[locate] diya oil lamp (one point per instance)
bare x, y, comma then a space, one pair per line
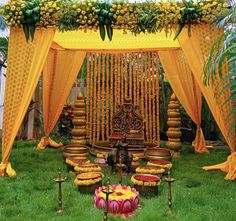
107, 190
59, 180
169, 180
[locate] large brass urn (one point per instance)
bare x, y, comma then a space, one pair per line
174, 122
79, 121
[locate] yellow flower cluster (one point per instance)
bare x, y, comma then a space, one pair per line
164, 166
142, 183
141, 169
125, 15
85, 15
49, 12
87, 182
212, 9
168, 15
83, 169
13, 12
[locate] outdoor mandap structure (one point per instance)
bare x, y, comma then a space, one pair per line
59, 55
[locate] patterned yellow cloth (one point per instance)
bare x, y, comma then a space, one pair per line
47, 141
25, 64
5, 168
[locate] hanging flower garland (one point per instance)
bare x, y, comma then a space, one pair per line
85, 15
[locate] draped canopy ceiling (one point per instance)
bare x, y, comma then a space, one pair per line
60, 56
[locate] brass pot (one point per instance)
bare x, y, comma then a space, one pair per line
173, 114
174, 145
158, 154
79, 104
173, 123
75, 150
173, 106
147, 190
173, 134
79, 132
78, 112
91, 188
81, 141
79, 122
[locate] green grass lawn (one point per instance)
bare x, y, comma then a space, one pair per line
32, 195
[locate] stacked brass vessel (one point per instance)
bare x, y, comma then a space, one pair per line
79, 121
174, 122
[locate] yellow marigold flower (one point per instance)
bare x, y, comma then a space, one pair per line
119, 6
225, 5
83, 12
78, 10
13, 8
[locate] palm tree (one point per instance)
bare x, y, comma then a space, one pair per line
224, 50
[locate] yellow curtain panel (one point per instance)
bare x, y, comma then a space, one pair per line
114, 77
25, 63
91, 41
197, 49
59, 73
186, 89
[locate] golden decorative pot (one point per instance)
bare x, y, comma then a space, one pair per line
173, 114
78, 132
174, 145
173, 105
173, 134
79, 122
157, 154
75, 150
173, 123
79, 112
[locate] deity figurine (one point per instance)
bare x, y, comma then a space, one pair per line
120, 155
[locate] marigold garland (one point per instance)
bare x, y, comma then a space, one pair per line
153, 170
143, 183
134, 17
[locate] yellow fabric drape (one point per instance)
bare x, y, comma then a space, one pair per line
59, 73
186, 89
197, 49
91, 41
25, 63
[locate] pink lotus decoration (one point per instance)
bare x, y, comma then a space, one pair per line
124, 201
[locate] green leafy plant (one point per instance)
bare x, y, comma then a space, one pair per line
190, 13
65, 124
31, 17
223, 52
105, 19
147, 19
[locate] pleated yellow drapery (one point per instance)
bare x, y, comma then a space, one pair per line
186, 89
60, 71
25, 63
197, 49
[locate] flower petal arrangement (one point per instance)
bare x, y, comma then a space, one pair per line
124, 201
105, 16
